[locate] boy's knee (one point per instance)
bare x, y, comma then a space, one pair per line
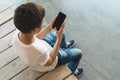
79, 53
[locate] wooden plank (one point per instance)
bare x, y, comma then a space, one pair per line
28, 74
12, 69
5, 4
7, 57
6, 34
58, 74
7, 15
6, 42
71, 77
4, 7
7, 28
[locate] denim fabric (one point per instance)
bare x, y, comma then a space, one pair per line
50, 38
68, 56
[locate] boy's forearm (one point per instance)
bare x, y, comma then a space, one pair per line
54, 52
43, 32
55, 49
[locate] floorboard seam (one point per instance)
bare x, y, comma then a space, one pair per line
6, 21
6, 9
7, 33
9, 62
41, 75
6, 49
18, 73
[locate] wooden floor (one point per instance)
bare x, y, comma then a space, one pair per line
94, 24
11, 66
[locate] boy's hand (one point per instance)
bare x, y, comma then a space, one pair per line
51, 23
60, 32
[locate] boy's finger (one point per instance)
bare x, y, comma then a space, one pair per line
62, 27
55, 29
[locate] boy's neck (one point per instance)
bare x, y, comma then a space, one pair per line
26, 38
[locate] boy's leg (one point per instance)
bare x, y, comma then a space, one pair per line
50, 38
71, 57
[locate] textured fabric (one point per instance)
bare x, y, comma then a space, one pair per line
69, 56
35, 55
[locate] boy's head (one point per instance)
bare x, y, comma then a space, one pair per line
28, 16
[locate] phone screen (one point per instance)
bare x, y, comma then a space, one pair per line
59, 20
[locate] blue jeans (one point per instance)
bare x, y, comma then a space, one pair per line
69, 56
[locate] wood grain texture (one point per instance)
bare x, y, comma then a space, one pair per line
58, 74
6, 42
7, 15
7, 57
12, 69
28, 74
71, 77
7, 28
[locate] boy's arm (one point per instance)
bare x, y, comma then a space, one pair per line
43, 32
54, 52
46, 29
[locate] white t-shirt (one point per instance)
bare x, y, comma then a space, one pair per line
35, 55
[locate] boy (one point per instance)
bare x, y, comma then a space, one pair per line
41, 48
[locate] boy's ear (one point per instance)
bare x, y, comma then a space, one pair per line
35, 31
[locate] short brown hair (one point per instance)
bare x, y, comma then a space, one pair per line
28, 17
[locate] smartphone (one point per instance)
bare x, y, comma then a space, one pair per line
59, 20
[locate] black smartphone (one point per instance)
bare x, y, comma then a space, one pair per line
59, 20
